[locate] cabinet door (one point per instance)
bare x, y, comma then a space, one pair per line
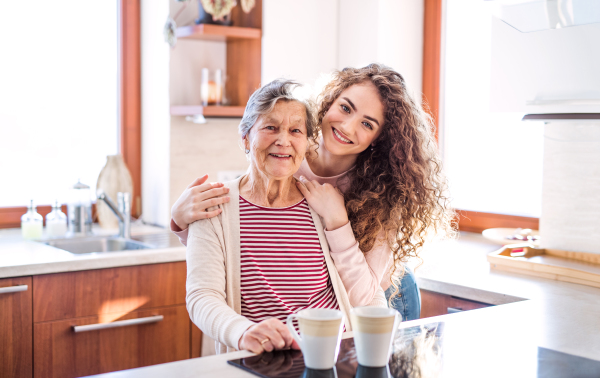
15, 327
94, 292
435, 304
59, 351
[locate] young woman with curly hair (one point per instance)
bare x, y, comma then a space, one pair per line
375, 178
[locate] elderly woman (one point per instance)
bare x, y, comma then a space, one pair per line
265, 255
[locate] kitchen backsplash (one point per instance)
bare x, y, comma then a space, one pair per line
203, 149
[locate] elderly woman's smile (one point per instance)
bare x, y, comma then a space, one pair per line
278, 140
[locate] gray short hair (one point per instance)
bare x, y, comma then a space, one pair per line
263, 101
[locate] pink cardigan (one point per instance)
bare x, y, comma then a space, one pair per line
362, 275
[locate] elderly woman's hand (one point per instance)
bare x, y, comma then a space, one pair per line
327, 201
266, 336
195, 199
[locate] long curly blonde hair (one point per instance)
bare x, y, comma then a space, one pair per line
397, 192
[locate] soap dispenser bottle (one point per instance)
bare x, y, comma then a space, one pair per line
32, 223
56, 222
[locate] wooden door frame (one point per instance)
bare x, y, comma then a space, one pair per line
130, 113
473, 221
130, 124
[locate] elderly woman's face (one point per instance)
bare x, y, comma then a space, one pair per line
278, 140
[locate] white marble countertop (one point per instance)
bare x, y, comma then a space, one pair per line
568, 314
25, 258
550, 314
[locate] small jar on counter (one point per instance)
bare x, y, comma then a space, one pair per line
56, 222
32, 223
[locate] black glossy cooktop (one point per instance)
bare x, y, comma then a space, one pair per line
432, 351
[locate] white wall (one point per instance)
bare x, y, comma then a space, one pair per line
400, 42
304, 40
299, 39
155, 113
383, 31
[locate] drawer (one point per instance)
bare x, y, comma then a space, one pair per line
16, 328
103, 291
59, 351
435, 304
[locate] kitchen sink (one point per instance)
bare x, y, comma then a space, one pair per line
94, 244
98, 244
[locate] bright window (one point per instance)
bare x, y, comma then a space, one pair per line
493, 160
58, 96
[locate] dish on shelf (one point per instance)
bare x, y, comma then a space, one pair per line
507, 236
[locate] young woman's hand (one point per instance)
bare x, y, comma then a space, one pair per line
326, 200
266, 336
195, 199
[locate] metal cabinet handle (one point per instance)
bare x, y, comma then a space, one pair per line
119, 323
13, 289
454, 310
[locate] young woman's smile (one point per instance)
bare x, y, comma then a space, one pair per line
340, 136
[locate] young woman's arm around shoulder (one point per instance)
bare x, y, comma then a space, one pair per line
193, 204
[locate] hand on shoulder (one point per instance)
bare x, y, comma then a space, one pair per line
326, 200
196, 199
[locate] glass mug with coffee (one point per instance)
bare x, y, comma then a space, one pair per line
374, 331
321, 331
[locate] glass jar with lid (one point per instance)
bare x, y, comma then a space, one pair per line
79, 209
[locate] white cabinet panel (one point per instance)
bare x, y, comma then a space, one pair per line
549, 71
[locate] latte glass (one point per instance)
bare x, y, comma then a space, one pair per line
320, 336
374, 330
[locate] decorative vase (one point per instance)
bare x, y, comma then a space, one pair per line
206, 18
113, 178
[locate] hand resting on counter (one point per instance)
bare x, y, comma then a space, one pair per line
266, 336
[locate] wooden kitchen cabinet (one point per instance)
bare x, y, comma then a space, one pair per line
15, 328
62, 301
61, 352
435, 304
94, 292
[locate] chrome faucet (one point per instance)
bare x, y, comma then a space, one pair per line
122, 210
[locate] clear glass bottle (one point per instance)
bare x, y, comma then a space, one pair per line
204, 87
56, 222
32, 223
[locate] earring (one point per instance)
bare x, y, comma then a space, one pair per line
247, 151
371, 147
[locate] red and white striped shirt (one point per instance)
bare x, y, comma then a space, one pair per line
283, 268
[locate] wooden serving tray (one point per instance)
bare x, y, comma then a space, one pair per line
576, 267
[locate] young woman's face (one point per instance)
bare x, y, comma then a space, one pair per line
354, 120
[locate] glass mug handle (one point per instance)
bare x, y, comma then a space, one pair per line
290, 326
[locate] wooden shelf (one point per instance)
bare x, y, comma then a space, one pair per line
217, 32
207, 111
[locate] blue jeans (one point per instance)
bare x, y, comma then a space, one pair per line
408, 300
